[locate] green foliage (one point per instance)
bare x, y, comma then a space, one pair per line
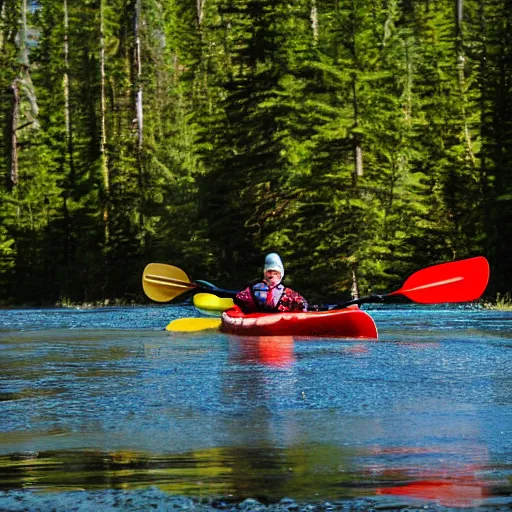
362, 140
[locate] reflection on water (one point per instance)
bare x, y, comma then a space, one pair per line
458, 492
266, 473
315, 472
425, 413
275, 351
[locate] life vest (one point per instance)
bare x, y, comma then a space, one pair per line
260, 294
254, 298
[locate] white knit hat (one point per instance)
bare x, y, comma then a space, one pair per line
273, 262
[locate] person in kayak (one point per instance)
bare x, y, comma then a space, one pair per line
269, 294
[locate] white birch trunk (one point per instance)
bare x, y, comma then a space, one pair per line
66, 69
2, 17
103, 124
66, 86
314, 21
138, 63
200, 11
358, 150
355, 288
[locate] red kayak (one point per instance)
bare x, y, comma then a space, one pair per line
350, 322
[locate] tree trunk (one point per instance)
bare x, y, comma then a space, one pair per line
462, 81
139, 114
359, 159
358, 151
314, 21
15, 117
355, 288
138, 64
103, 124
200, 11
67, 107
23, 51
30, 112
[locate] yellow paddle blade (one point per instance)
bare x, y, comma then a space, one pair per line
163, 283
210, 302
193, 324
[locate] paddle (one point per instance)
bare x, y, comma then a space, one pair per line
163, 283
193, 324
456, 281
210, 304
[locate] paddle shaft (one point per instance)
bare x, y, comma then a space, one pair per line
178, 283
370, 299
220, 292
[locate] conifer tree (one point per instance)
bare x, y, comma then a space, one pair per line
345, 209
493, 43
248, 190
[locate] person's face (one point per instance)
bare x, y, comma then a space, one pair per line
272, 277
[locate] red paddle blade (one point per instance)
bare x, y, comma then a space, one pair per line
456, 281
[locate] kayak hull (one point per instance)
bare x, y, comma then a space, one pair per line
350, 322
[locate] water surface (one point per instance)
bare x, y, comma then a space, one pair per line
106, 399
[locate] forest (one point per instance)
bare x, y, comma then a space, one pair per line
360, 139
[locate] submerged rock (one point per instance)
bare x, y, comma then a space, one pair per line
153, 499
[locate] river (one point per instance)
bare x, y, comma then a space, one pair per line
105, 402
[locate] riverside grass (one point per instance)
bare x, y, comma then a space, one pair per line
501, 303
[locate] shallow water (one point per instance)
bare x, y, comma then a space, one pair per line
106, 399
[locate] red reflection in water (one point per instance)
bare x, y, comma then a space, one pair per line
358, 349
461, 493
276, 350
451, 486
267, 350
